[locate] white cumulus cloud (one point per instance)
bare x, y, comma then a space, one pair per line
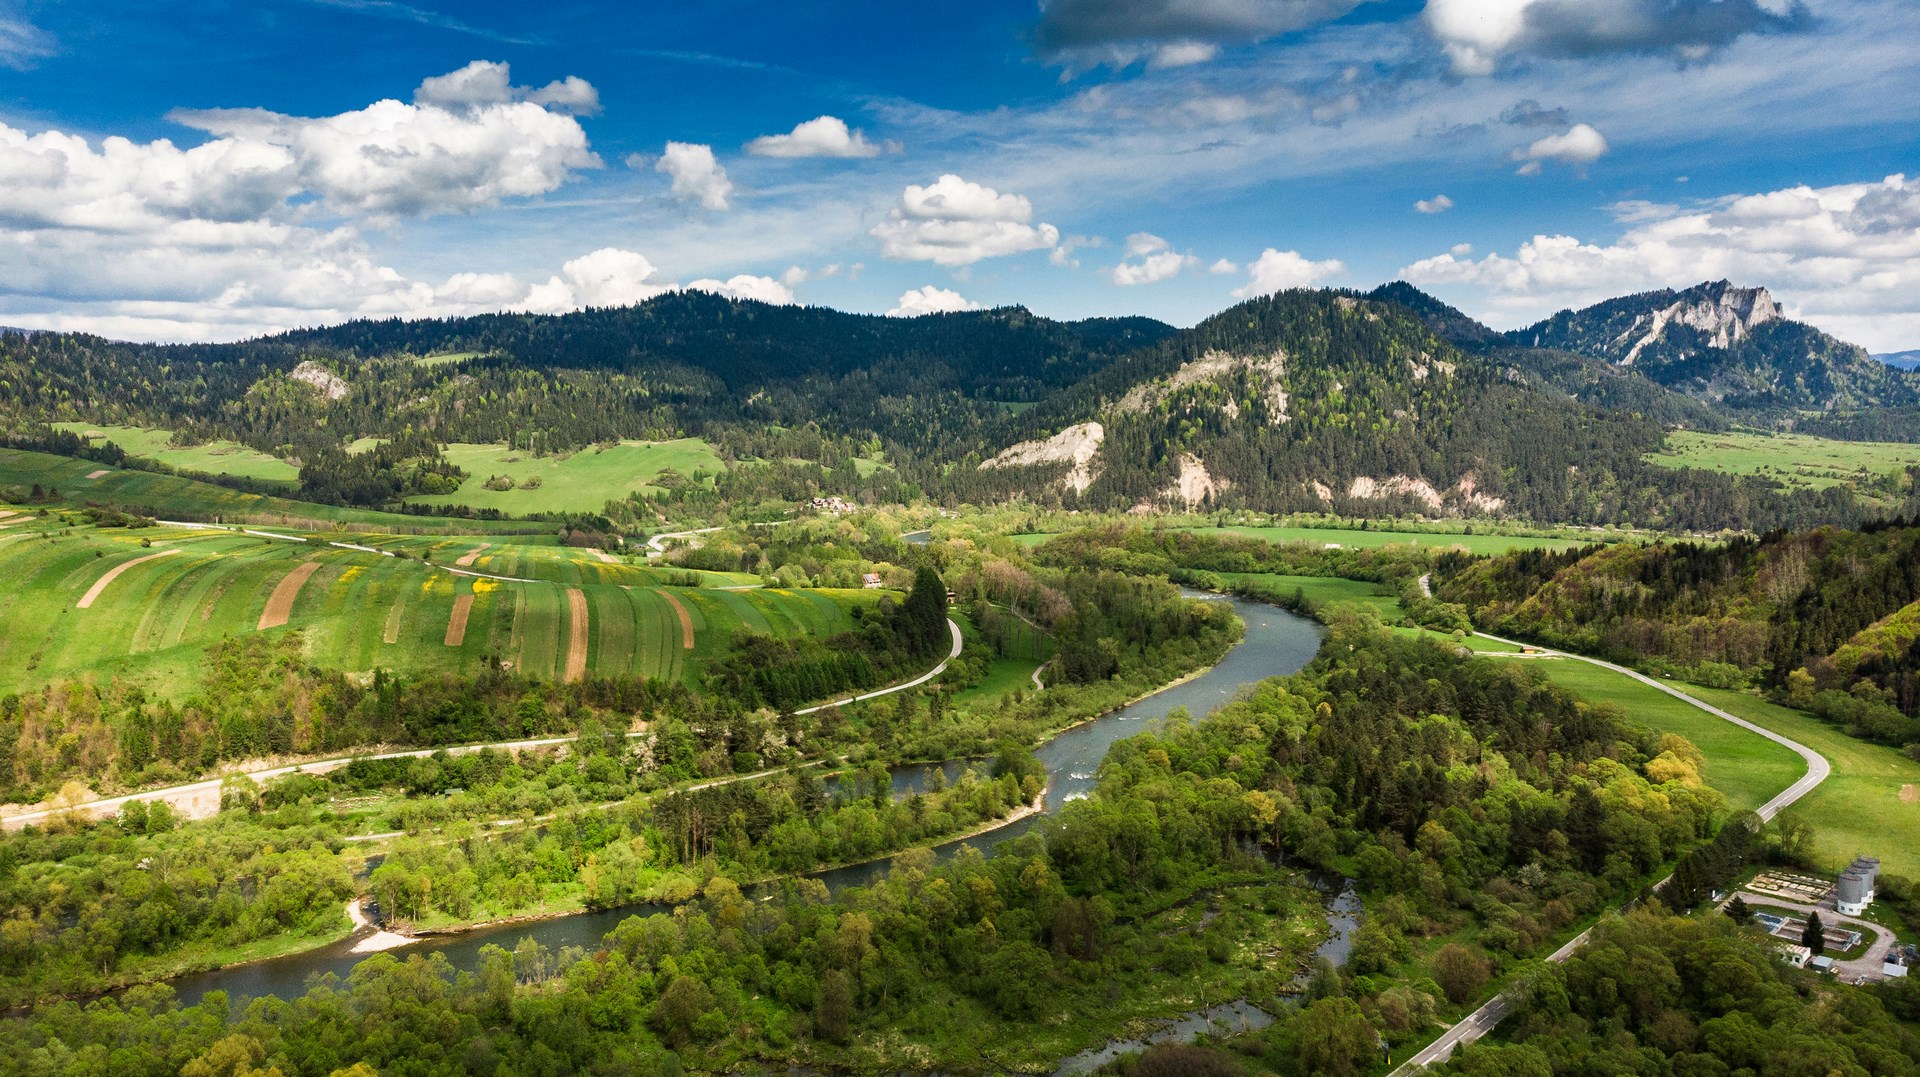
1277, 270
1846, 258
1578, 145
696, 176
608, 277
747, 286
954, 222
1477, 34
1154, 260
470, 139
930, 300
823, 136
1437, 204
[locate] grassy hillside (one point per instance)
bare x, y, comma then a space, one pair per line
580, 482
1796, 461
214, 457
169, 496
149, 602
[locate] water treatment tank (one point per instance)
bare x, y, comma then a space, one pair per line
1854, 891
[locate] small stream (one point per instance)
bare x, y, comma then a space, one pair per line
1276, 643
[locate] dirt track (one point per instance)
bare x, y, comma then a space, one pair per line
457, 624
466, 559
113, 573
576, 668
280, 603
686, 620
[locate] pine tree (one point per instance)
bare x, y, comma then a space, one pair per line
1814, 937
1739, 911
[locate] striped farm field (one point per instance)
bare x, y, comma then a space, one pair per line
148, 603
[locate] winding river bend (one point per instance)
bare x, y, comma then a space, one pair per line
1276, 643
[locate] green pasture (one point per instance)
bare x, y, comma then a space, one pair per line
172, 497
358, 610
1797, 461
581, 482
1324, 590
1746, 768
1869, 805
1370, 538
1478, 543
214, 458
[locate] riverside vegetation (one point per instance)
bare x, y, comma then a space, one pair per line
1380, 759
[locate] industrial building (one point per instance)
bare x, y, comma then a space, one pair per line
1857, 886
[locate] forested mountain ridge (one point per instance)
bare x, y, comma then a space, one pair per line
1302, 401
1322, 400
1726, 344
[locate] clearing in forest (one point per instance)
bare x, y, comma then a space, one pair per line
577, 625
457, 624
113, 573
280, 603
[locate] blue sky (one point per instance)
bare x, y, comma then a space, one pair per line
212, 170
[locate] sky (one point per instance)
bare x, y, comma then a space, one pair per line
219, 169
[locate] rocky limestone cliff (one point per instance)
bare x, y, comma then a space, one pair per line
1723, 313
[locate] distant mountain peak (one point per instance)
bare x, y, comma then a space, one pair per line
1725, 314
1725, 344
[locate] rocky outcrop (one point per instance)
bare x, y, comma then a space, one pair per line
1724, 313
326, 382
1270, 370
1195, 485
1076, 446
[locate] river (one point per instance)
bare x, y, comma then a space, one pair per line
1276, 643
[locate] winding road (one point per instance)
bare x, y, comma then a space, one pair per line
1489, 1015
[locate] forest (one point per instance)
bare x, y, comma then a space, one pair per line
790, 397
1483, 812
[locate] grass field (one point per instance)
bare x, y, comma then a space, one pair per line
582, 482
1747, 769
214, 458
1870, 804
1796, 461
172, 497
359, 610
1325, 590
1353, 537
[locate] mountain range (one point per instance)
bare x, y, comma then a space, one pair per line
1388, 401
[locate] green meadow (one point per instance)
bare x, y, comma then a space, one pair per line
161, 606
1746, 768
1369, 538
581, 482
213, 458
1869, 805
1796, 461
173, 497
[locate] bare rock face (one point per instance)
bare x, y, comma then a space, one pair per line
1725, 314
1076, 445
326, 382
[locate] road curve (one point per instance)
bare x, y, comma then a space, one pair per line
1488, 1016
197, 800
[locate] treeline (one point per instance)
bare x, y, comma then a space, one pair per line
894, 639
407, 465
1655, 993
1828, 619
1479, 803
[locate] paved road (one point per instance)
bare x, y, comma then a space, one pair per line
198, 800
1487, 1017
